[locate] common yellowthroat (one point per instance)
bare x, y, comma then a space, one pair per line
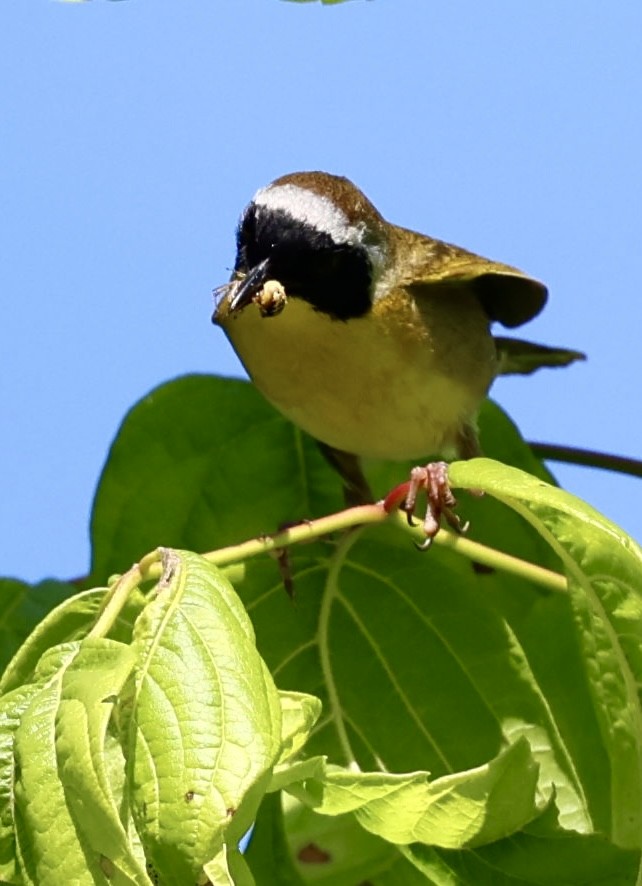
372, 338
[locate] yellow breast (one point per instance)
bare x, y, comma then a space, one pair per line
398, 383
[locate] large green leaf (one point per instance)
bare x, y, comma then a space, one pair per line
604, 570
541, 855
177, 473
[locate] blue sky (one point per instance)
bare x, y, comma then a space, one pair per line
133, 133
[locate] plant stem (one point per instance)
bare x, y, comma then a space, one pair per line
588, 458
364, 514
118, 593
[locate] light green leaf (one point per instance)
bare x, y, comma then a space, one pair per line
12, 707
229, 868
285, 775
49, 848
299, 713
456, 811
202, 720
68, 621
90, 687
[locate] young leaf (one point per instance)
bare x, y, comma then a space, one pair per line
66, 622
90, 686
50, 850
202, 720
299, 713
457, 811
12, 707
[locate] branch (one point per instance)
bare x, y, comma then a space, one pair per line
588, 457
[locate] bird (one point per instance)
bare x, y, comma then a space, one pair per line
374, 339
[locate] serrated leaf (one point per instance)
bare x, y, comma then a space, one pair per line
421, 661
202, 720
90, 687
457, 811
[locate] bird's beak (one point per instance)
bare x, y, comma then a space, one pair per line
246, 289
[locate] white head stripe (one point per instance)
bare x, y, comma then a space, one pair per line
310, 208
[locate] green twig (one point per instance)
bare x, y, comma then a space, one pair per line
149, 567
364, 514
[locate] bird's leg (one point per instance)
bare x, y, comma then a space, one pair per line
356, 490
433, 477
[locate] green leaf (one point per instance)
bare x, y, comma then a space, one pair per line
49, 848
22, 607
189, 445
457, 811
299, 713
202, 720
604, 570
422, 662
90, 687
541, 855
12, 707
69, 621
268, 854
333, 850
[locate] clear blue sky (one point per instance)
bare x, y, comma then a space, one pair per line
133, 133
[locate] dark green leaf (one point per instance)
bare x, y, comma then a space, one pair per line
22, 607
199, 463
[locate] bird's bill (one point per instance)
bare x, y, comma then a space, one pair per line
246, 288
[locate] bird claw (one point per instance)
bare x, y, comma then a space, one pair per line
433, 478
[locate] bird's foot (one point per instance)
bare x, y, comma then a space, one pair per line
433, 478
